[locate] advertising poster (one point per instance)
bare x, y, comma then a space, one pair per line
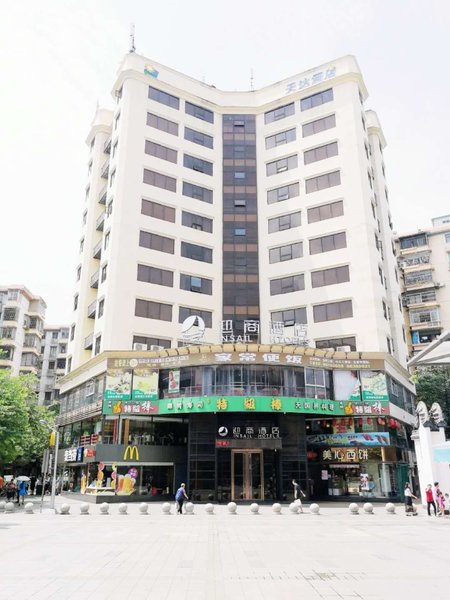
374, 387
118, 384
145, 383
347, 386
380, 438
174, 381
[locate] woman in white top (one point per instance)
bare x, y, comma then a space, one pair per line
409, 500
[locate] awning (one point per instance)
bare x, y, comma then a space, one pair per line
436, 353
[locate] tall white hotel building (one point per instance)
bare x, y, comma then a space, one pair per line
268, 205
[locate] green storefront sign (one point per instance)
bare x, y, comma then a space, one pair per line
248, 404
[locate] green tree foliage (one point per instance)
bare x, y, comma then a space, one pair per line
22, 437
433, 385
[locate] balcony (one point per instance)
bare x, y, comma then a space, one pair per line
425, 325
89, 342
422, 258
425, 319
107, 146
100, 222
427, 296
97, 252
94, 279
104, 172
91, 310
418, 279
412, 244
102, 195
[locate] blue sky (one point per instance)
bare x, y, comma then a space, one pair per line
59, 58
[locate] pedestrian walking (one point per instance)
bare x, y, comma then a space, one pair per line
10, 490
2, 482
21, 491
440, 502
32, 484
180, 497
409, 507
430, 500
298, 494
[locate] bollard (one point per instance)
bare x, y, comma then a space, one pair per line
368, 508
390, 508
104, 508
353, 508
28, 508
232, 508
209, 508
2, 506
166, 508
9, 507
294, 508
276, 508
123, 508
254, 508
65, 509
314, 509
189, 508
143, 508
84, 508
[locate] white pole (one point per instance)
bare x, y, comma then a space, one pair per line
55, 467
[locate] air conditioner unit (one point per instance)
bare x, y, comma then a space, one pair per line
140, 347
343, 349
154, 348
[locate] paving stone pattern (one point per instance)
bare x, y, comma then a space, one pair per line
222, 556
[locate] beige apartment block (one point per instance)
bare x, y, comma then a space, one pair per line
263, 212
424, 261
54, 345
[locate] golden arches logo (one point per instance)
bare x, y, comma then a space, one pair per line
131, 453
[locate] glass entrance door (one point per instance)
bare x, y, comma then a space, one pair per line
247, 475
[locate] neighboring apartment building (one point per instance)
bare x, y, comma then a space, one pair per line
259, 211
22, 317
424, 260
53, 362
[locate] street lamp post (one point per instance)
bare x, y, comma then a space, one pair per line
55, 430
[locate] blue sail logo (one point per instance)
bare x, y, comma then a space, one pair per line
150, 70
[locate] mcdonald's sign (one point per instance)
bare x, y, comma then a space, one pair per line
131, 453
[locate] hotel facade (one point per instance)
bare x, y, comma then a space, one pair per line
236, 253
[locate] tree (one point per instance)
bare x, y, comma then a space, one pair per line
21, 435
433, 385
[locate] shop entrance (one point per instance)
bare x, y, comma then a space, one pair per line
247, 475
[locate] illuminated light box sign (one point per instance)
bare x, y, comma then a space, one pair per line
379, 438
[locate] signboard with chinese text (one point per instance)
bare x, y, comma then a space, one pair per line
350, 455
311, 78
121, 407
118, 383
374, 386
380, 438
145, 383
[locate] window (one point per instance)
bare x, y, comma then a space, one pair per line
333, 311
107, 238
116, 122
197, 164
162, 124
283, 193
199, 193
157, 242
288, 252
115, 146
51, 365
154, 275
385, 310
84, 217
284, 137
380, 273
330, 276
81, 245
239, 174
284, 164
101, 308
447, 238
196, 222
163, 98
317, 381
109, 209
337, 342
318, 125
290, 316
320, 153
75, 302
418, 277
112, 177
240, 202
78, 272
104, 271
284, 222
193, 283
98, 341
316, 99
195, 252
72, 332
186, 312
315, 184
285, 285
157, 211
10, 314
202, 139
240, 232
153, 310
161, 181
150, 341
279, 113
327, 243
326, 211
160, 151
199, 112
414, 241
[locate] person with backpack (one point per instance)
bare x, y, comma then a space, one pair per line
180, 497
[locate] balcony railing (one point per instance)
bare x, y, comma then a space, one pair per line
89, 341
102, 195
97, 252
107, 146
91, 310
427, 296
418, 279
105, 170
94, 279
100, 222
248, 390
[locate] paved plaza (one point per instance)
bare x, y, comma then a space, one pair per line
223, 556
